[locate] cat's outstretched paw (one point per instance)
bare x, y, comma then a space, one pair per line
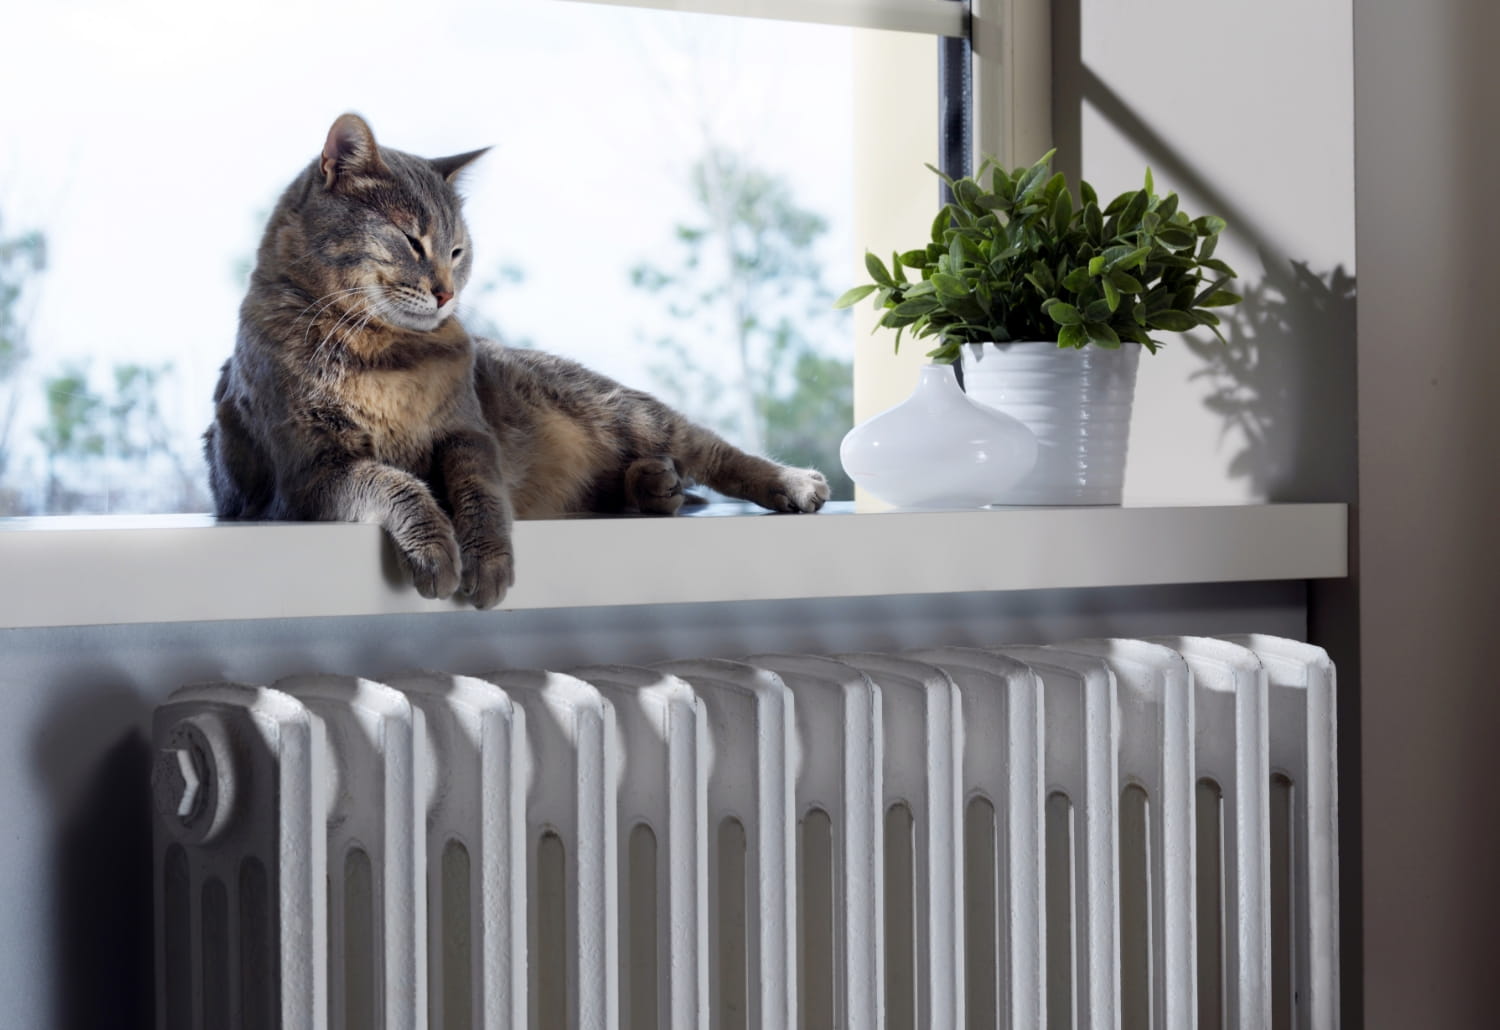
488, 572
797, 490
653, 487
431, 556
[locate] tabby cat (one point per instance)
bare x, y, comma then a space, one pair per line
354, 394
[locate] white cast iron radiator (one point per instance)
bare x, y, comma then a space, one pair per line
1108, 833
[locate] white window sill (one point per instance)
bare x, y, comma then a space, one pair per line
115, 570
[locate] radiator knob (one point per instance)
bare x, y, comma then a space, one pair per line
193, 780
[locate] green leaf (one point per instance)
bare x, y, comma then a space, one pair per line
1111, 296
949, 286
1218, 266
1087, 194
946, 353
915, 307
1172, 321
877, 270
896, 267
941, 223
1209, 225
1150, 185
1096, 265
1064, 314
1125, 282
1176, 238
935, 170
1076, 280
854, 296
967, 192
1072, 336
1219, 299
1062, 210
1131, 216
914, 259
1093, 221
1101, 334
1042, 275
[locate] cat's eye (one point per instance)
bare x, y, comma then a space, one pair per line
416, 246
458, 252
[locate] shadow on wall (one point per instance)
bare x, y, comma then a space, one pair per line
1285, 385
101, 860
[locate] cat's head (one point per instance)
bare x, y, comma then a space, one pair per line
377, 231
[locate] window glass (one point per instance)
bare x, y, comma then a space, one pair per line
667, 200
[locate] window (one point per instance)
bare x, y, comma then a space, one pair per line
673, 198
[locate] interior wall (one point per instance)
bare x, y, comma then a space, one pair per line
1246, 111
1427, 91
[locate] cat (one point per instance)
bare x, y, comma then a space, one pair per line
354, 393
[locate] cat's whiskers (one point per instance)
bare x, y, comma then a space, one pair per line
322, 302
352, 314
331, 299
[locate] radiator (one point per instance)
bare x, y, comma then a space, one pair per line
1106, 833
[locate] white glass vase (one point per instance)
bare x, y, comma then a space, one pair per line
1076, 402
938, 448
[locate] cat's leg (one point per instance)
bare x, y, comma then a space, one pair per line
480, 503
653, 486
706, 458
341, 488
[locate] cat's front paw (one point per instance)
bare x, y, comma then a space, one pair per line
797, 490
430, 553
489, 570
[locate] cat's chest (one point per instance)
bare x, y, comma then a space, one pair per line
401, 413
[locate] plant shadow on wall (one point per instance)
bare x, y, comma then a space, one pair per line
1283, 383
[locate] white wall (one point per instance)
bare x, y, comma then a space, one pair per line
1246, 110
1428, 128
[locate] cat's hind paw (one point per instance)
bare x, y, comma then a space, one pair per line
653, 486
797, 490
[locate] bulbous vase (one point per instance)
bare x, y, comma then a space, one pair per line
938, 448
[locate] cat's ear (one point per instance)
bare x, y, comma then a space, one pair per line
449, 167
350, 150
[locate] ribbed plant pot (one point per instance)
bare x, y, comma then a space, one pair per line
1076, 402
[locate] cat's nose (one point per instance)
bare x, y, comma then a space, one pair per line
443, 296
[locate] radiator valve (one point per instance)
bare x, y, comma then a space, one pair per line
193, 780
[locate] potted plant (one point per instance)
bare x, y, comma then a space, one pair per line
1048, 300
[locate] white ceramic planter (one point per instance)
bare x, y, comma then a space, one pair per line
1076, 402
938, 448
